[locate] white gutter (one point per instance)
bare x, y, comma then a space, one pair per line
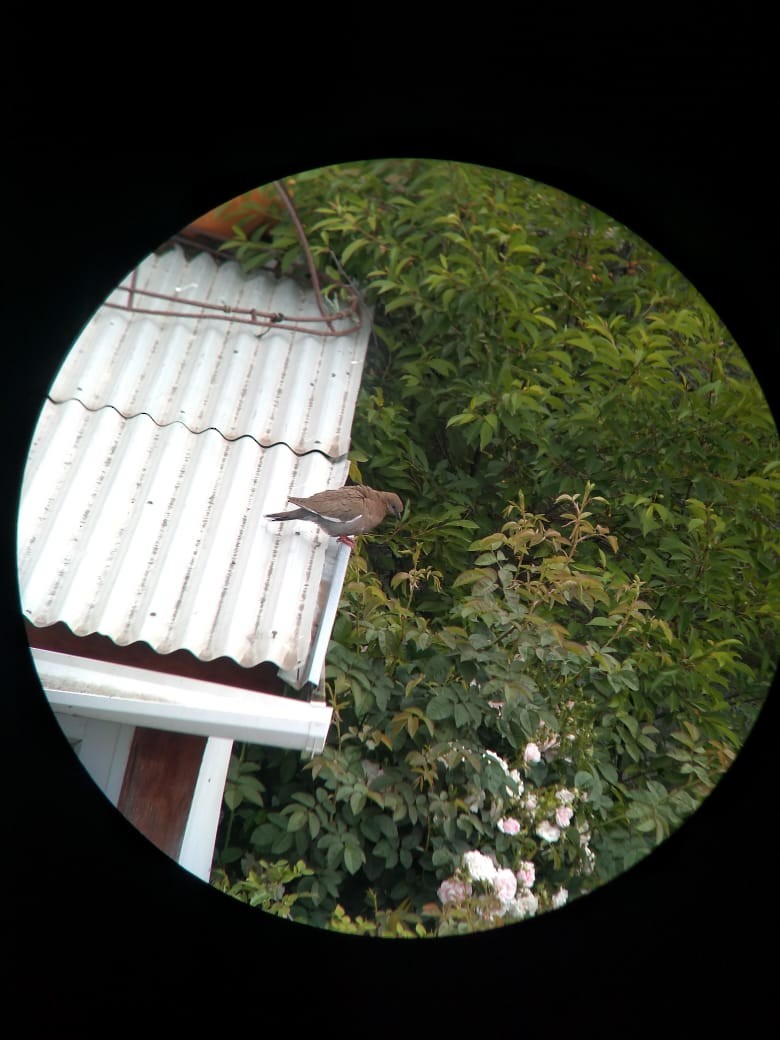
138, 697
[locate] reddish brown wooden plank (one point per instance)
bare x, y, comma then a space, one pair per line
263, 677
158, 785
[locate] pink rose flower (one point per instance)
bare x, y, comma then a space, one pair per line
505, 885
509, 825
453, 891
563, 815
526, 875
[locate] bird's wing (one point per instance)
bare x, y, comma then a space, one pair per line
341, 505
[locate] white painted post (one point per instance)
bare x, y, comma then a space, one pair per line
200, 834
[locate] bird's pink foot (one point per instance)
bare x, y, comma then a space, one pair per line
347, 540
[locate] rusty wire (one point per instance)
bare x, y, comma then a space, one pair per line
250, 315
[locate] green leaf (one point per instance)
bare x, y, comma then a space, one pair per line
282, 843
439, 707
297, 820
442, 857
492, 541
462, 715
387, 827
486, 434
444, 368
264, 835
469, 577
230, 855
233, 797
461, 419
335, 852
252, 793
609, 772
304, 798
645, 825
354, 858
517, 245
352, 248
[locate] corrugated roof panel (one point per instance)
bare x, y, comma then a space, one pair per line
273, 384
158, 534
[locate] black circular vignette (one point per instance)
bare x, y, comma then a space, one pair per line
87, 888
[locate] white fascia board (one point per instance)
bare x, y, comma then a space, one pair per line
120, 693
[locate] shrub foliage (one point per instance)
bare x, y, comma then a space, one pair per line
579, 608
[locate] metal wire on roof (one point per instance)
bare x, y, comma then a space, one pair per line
284, 386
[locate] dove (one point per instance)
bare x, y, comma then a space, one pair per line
354, 509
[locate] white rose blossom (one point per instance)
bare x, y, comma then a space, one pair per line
532, 753
524, 905
479, 866
560, 898
547, 831
498, 759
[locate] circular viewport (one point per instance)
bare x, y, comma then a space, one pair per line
397, 548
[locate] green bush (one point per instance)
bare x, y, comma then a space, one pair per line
587, 566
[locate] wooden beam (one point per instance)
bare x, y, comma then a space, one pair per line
159, 782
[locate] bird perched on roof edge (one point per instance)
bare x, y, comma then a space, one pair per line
354, 509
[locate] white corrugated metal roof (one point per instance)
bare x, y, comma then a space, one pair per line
139, 532
193, 366
148, 528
